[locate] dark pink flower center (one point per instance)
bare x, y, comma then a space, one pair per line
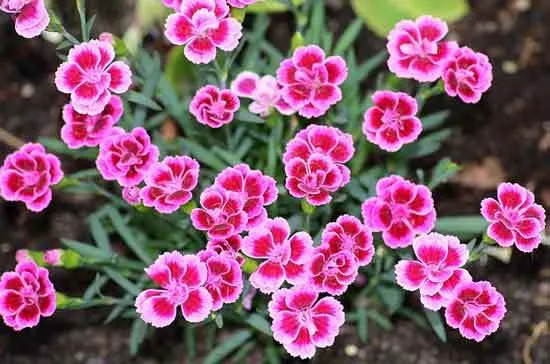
218, 108
391, 118
279, 254
463, 74
305, 318
399, 212
29, 295
31, 178
473, 309
508, 217
128, 159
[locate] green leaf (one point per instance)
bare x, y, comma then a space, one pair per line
178, 68
392, 297
95, 287
122, 281
316, 23
58, 147
272, 354
86, 250
362, 324
248, 117
99, 233
259, 323
435, 120
126, 234
137, 335
465, 227
443, 171
204, 155
382, 321
270, 6
434, 319
229, 345
142, 100
426, 145
348, 37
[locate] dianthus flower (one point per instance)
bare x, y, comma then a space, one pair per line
285, 256
182, 279
27, 176
467, 74
515, 218
214, 107
476, 310
53, 257
331, 270
131, 195
31, 16
392, 121
347, 233
442, 298
400, 210
168, 184
241, 3
202, 26
26, 295
264, 91
82, 130
255, 189
310, 81
21, 255
224, 280
230, 245
221, 213
302, 323
90, 75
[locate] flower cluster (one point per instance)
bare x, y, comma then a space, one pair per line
30, 16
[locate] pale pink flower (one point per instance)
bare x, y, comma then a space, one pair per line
174, 4
22, 255
331, 270
203, 26
53, 257
30, 16
242, 3
27, 176
302, 323
26, 295
214, 107
131, 195
349, 234
310, 81
515, 218
285, 256
106, 37
476, 310
182, 279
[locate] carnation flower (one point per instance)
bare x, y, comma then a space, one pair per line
331, 270
27, 176
230, 245
467, 74
82, 130
310, 82
443, 297
392, 121
515, 218
416, 48
241, 3
182, 279
476, 310
348, 234
131, 195
53, 257
285, 256
90, 76
26, 295
31, 16
214, 107
168, 184
302, 323
21, 255
126, 157
202, 26
400, 210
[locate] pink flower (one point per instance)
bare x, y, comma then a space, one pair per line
348, 234
126, 157
302, 323
310, 82
439, 257
442, 298
214, 107
182, 279
53, 257
249, 298
174, 4
400, 210
264, 91
256, 190
221, 214
285, 256
230, 245
27, 175
515, 218
476, 310
22, 255
241, 3
467, 74
416, 48
202, 26
332, 270
392, 121
131, 195
168, 184
82, 130
90, 76
31, 16
26, 295
107, 37
224, 280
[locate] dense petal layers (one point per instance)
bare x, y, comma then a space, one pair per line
214, 107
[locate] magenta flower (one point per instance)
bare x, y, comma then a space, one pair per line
310, 82
392, 121
467, 74
26, 295
264, 91
416, 48
515, 218
224, 280
302, 323
285, 256
168, 184
445, 295
21, 255
214, 107
202, 26
241, 3
400, 210
182, 279
221, 214
230, 245
30, 16
82, 130
131, 195
255, 189
126, 157
331, 270
27, 175
90, 76
348, 234
53, 257
476, 310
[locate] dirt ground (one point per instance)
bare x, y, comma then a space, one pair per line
505, 137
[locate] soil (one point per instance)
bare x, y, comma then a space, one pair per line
506, 136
